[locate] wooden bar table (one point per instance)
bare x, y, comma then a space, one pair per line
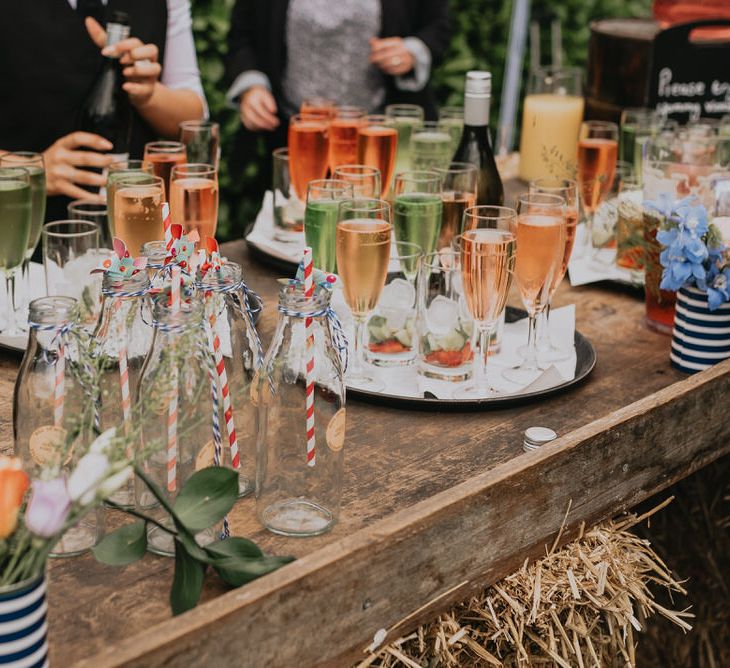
435, 506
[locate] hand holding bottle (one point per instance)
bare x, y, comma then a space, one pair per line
141, 71
66, 156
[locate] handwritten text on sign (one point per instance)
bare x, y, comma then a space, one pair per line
718, 101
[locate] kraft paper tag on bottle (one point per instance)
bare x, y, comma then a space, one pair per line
206, 456
46, 443
256, 397
336, 431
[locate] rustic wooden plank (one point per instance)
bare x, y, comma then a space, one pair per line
335, 599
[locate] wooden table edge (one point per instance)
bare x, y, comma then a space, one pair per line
223, 617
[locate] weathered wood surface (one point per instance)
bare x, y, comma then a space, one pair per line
432, 503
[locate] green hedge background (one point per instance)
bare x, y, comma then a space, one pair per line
479, 41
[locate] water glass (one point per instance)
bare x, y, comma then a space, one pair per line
444, 323
430, 147
391, 328
202, 141
87, 209
70, 251
288, 208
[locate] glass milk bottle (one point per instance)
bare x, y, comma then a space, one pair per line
236, 345
301, 433
53, 413
176, 413
155, 252
121, 341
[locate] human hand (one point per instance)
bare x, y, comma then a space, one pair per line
62, 160
142, 71
257, 109
391, 55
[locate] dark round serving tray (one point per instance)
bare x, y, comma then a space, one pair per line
585, 361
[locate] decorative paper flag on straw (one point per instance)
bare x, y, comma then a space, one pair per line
123, 369
308, 268
220, 368
59, 387
166, 222
172, 408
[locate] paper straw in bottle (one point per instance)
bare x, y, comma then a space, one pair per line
167, 224
308, 271
59, 386
172, 407
123, 368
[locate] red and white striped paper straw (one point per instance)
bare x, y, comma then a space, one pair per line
59, 387
167, 223
172, 407
220, 368
123, 368
308, 270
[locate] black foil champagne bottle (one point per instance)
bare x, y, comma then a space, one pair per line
475, 145
107, 110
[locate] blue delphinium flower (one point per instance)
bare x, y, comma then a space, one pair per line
719, 291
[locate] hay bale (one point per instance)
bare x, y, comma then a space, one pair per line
580, 605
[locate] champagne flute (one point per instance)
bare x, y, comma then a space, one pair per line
377, 142
417, 209
320, 219
458, 193
194, 198
430, 146
317, 107
308, 151
95, 212
365, 180
33, 163
451, 119
540, 234
202, 141
162, 156
568, 190
16, 213
343, 136
405, 118
118, 170
487, 253
363, 254
597, 155
138, 210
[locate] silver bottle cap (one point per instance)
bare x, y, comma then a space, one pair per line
478, 84
536, 437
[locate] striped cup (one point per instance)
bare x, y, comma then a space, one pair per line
700, 337
23, 628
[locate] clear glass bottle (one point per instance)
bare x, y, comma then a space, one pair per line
176, 377
121, 341
298, 494
52, 413
155, 252
229, 315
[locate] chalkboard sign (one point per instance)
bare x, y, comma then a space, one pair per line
690, 79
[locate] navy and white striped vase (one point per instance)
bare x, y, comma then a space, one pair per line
700, 337
23, 628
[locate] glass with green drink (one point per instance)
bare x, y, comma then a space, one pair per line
15, 219
431, 147
418, 208
405, 118
117, 171
33, 163
320, 219
637, 126
451, 119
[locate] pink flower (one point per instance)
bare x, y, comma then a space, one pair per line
48, 507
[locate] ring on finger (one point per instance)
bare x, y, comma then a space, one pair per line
395, 61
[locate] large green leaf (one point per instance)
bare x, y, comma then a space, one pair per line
123, 546
237, 570
236, 546
206, 498
187, 582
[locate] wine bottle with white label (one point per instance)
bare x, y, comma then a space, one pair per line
107, 110
475, 145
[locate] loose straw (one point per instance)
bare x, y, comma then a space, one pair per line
172, 408
59, 386
167, 224
308, 270
123, 368
220, 368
